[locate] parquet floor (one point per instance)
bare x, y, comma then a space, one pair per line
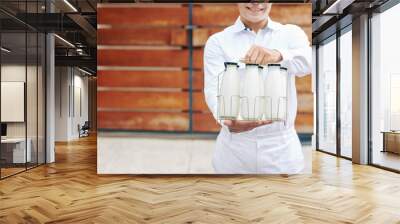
70, 191
10, 171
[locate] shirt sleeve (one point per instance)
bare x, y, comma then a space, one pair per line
213, 66
298, 56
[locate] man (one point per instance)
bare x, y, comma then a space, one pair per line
257, 147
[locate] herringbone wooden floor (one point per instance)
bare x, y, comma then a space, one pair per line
70, 191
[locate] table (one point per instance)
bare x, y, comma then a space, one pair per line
16, 147
391, 141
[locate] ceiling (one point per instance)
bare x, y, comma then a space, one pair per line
332, 15
74, 22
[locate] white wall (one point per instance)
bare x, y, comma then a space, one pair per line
12, 100
16, 73
33, 127
80, 100
61, 103
70, 83
11, 73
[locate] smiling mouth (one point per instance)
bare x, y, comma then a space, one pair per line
255, 9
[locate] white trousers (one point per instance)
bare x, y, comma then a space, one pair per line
264, 150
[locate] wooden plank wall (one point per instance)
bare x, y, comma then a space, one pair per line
143, 62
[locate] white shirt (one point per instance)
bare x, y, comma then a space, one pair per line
231, 45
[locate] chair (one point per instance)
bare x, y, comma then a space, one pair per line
84, 130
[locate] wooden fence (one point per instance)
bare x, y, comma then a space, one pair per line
150, 61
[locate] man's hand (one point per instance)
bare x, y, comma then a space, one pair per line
242, 126
262, 56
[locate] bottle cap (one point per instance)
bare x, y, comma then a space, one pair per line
250, 64
231, 63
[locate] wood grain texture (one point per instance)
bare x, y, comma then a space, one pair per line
222, 15
145, 121
297, 14
213, 18
199, 102
198, 80
226, 14
305, 103
304, 84
201, 35
142, 36
205, 122
130, 35
151, 58
172, 15
162, 36
304, 123
154, 79
143, 100
70, 191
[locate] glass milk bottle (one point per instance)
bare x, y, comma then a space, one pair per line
275, 85
252, 95
283, 101
228, 99
261, 72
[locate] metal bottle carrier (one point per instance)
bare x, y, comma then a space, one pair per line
260, 101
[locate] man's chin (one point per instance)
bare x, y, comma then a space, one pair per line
257, 19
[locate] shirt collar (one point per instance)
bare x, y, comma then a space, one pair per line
239, 26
